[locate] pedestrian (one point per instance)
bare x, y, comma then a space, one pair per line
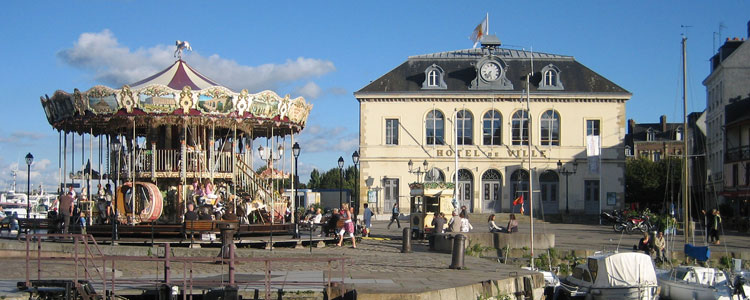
439, 223
66, 211
368, 220
454, 225
512, 224
645, 244
492, 226
394, 216
660, 246
82, 222
346, 215
315, 221
332, 224
465, 225
190, 215
464, 211
716, 226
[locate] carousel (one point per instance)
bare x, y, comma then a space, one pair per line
175, 140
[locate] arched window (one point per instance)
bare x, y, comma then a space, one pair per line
678, 134
551, 78
435, 125
433, 78
465, 119
434, 175
550, 127
650, 134
492, 128
520, 128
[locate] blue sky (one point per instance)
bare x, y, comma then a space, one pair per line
325, 51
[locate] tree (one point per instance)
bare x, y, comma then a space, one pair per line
314, 181
652, 184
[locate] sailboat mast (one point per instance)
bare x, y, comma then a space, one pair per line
685, 174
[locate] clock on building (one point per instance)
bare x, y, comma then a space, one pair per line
490, 71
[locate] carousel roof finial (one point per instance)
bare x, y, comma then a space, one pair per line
181, 45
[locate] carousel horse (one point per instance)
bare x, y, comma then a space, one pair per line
181, 45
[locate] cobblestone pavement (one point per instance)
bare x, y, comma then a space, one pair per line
376, 265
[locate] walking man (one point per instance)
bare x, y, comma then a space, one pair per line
394, 216
66, 210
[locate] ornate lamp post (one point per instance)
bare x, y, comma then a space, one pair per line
355, 159
29, 160
567, 173
341, 180
295, 151
418, 171
269, 164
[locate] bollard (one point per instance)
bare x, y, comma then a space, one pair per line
406, 241
457, 256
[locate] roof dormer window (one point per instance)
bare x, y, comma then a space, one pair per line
678, 134
434, 78
550, 78
650, 135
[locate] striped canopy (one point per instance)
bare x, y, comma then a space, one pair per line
177, 76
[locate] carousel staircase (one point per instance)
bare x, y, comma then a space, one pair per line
249, 182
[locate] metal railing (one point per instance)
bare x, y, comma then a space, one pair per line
738, 154
90, 255
169, 160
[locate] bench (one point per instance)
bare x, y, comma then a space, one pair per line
34, 224
197, 226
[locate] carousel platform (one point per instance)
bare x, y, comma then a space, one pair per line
179, 230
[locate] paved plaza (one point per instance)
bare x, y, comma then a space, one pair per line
375, 266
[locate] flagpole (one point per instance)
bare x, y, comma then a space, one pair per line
487, 17
531, 177
455, 153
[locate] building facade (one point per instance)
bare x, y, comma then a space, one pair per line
466, 110
729, 79
654, 141
737, 159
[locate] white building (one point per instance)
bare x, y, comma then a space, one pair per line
474, 100
729, 81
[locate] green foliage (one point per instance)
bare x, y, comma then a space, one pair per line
477, 250
646, 182
725, 263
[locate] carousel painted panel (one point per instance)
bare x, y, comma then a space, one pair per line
158, 99
148, 203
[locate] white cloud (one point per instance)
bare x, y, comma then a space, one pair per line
321, 139
114, 64
309, 90
22, 138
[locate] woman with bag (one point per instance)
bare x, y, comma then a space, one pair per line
346, 216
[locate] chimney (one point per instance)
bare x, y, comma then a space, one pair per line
663, 121
631, 126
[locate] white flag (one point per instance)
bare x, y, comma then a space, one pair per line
480, 31
593, 152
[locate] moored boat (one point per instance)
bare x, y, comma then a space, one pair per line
612, 276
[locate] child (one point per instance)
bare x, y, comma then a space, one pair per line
83, 223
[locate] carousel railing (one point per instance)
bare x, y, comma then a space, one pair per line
169, 161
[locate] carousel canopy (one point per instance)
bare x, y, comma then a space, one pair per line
175, 96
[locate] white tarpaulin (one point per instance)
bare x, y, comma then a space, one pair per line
623, 270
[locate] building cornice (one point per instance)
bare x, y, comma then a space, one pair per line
464, 97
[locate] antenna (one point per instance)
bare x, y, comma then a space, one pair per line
685, 29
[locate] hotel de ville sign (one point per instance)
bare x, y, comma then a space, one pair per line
490, 153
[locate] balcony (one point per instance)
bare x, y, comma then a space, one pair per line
737, 154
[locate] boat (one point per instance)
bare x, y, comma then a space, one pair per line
629, 275
694, 282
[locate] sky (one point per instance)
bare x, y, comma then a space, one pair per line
326, 50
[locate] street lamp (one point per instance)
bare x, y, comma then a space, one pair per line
567, 173
117, 147
418, 171
355, 159
341, 180
269, 164
29, 160
295, 152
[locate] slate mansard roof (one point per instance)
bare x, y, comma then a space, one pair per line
460, 72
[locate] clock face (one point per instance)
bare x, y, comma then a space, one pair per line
490, 71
